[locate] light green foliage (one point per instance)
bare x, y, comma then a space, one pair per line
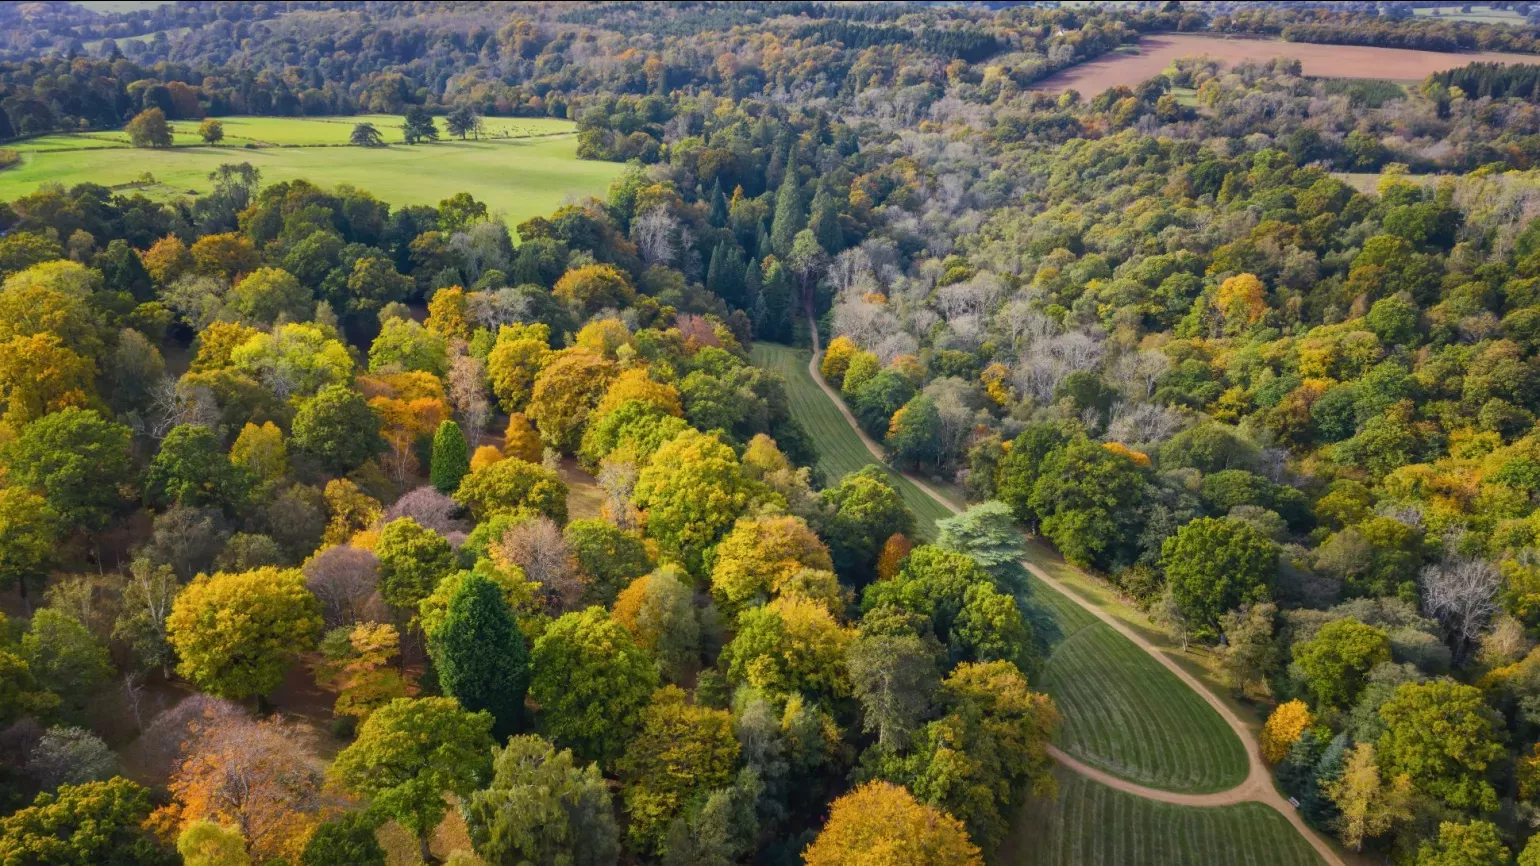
66, 659
1336, 662
513, 486
986, 533
236, 634
681, 753
29, 529
97, 823
413, 559
1478, 843
542, 807
410, 754
1442, 735
204, 843
590, 682
693, 490
404, 344
266, 294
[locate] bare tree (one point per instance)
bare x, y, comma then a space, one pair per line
1461, 593
618, 478
468, 394
537, 546
344, 579
654, 233
430, 508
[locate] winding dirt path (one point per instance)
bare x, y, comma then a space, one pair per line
1258, 785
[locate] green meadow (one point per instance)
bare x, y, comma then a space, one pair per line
521, 167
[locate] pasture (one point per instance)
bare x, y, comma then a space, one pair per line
1123, 711
522, 167
1089, 824
1155, 53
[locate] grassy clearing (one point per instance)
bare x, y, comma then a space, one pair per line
840, 450
528, 169
1135, 719
1092, 825
1477, 14
1123, 711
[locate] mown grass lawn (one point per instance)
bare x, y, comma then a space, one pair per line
522, 167
1123, 712
1089, 824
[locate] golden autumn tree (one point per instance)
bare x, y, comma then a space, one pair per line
349, 510
254, 776
236, 634
358, 664
226, 255
520, 353
1283, 728
591, 288
882, 824
521, 439
447, 314
604, 337
564, 393
758, 557
894, 550
1241, 300
167, 259
637, 384
39, 374
836, 359
485, 456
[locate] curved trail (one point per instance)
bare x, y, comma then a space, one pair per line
1258, 785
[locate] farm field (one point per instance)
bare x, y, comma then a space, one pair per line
1476, 15
1076, 829
529, 173
1321, 61
1123, 712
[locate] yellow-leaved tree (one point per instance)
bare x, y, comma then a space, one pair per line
1283, 727
882, 824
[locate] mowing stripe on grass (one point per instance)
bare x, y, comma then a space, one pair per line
1089, 824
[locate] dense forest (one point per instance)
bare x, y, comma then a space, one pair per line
334, 530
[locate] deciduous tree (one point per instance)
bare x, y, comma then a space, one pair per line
590, 681
882, 823
236, 634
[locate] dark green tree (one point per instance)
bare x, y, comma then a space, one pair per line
338, 427
480, 654
451, 458
419, 126
1214, 565
192, 469
349, 840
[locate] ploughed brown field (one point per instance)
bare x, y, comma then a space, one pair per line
1326, 61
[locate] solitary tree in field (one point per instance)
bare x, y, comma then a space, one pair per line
149, 128
419, 126
365, 135
463, 121
211, 131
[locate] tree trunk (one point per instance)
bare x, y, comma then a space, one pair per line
423, 850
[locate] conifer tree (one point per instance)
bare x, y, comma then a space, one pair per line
480, 654
451, 458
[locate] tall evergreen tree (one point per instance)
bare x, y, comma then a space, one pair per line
824, 220
451, 458
789, 216
480, 654
718, 212
777, 299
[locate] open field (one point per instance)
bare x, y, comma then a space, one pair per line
1133, 718
1322, 61
1092, 825
1123, 712
527, 174
1476, 15
840, 451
